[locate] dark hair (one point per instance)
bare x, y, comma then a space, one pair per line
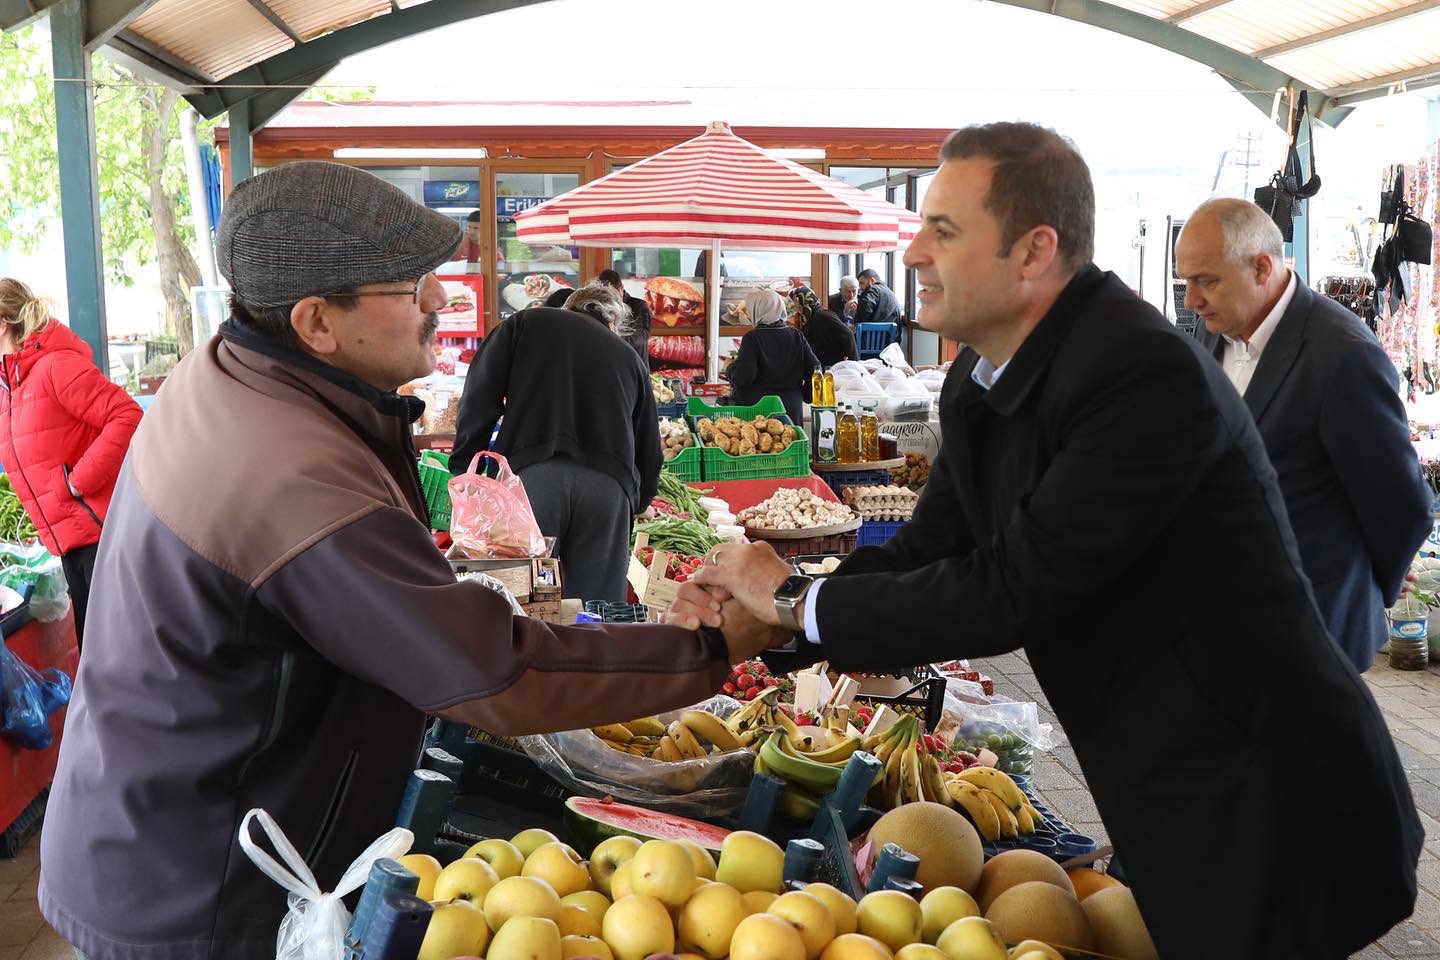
274, 322
1039, 179
610, 278
868, 275
474, 217
558, 296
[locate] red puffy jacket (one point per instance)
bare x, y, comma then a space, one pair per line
62, 420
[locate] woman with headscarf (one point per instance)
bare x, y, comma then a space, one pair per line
830, 337
774, 359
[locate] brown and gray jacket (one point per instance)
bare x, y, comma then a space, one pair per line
269, 624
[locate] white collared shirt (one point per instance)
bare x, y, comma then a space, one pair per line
1241, 357
986, 373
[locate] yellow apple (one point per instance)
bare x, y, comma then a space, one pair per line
842, 908
891, 917
663, 870
526, 938
456, 929
528, 841
709, 919
764, 936
468, 878
973, 938
638, 926
503, 856
749, 861
591, 900
620, 885
810, 918
578, 922
758, 901
856, 946
920, 951
704, 862
427, 868
521, 897
942, 907
584, 947
1031, 955
559, 866
1026, 950
606, 858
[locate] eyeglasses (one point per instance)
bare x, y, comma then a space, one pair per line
413, 294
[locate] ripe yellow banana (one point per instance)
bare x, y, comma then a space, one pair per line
1022, 817
839, 753
801, 742
711, 729
966, 796
617, 732
800, 804
933, 781
668, 750
1009, 826
690, 748
998, 783
646, 727
910, 774
892, 794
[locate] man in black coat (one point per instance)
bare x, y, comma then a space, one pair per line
877, 303
1326, 399
637, 331
1104, 501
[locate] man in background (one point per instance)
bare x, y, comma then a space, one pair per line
845, 303
877, 304
637, 331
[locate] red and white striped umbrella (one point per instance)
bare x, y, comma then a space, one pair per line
718, 187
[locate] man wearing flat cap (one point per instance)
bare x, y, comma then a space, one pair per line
270, 621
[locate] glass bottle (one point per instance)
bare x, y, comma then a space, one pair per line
817, 388
828, 389
869, 433
847, 436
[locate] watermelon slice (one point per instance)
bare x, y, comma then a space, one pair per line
590, 822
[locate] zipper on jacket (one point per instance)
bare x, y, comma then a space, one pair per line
333, 810
285, 677
65, 469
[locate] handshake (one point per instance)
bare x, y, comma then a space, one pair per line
735, 592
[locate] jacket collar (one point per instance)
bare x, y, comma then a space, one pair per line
1280, 352
1025, 368
369, 410
51, 338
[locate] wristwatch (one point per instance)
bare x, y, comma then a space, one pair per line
787, 599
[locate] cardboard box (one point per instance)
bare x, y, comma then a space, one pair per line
527, 578
548, 610
650, 584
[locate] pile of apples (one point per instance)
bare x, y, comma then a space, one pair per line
533, 898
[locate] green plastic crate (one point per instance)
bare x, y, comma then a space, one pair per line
685, 465
435, 481
716, 464
768, 406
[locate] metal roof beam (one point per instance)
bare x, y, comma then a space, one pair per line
277, 21
1414, 78
1189, 13
134, 44
15, 14
142, 64
267, 106
290, 67
1380, 19
105, 18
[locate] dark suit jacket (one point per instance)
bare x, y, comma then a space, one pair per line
837, 304
831, 338
1326, 400
1109, 507
878, 305
640, 323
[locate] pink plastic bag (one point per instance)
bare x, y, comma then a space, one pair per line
493, 518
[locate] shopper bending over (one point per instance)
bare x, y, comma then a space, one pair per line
64, 430
270, 620
774, 360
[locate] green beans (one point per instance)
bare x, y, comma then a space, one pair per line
15, 524
683, 498
690, 537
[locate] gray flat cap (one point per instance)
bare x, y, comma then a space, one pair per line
313, 227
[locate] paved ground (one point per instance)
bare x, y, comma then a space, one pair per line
1411, 702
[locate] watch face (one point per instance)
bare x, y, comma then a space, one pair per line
794, 586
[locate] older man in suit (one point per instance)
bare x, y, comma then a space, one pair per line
1096, 467
1326, 400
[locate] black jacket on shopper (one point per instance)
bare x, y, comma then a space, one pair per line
830, 338
877, 305
565, 385
640, 323
773, 362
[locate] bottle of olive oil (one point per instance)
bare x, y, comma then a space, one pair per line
869, 432
817, 388
847, 436
828, 386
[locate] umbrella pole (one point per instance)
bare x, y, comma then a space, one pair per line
712, 314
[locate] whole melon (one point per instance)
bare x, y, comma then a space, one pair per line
1117, 926
1014, 867
1087, 881
947, 845
1036, 910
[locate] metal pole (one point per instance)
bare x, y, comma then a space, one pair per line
1300, 247
712, 314
242, 166
79, 177
199, 197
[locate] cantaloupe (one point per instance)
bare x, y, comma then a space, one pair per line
1036, 910
1087, 881
947, 845
1014, 867
1118, 929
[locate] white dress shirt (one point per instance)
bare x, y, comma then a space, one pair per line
985, 374
1241, 357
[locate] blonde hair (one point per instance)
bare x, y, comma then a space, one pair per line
21, 312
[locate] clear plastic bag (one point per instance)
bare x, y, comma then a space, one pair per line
21, 564
315, 925
708, 787
27, 699
894, 355
1010, 729
493, 518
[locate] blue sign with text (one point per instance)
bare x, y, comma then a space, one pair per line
507, 207
452, 193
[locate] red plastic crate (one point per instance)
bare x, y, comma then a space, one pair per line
746, 493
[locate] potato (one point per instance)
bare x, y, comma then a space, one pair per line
767, 442
749, 434
729, 426
774, 427
747, 447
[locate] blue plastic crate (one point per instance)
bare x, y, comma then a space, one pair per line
671, 410
875, 532
839, 480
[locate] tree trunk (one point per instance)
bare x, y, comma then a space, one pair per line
177, 267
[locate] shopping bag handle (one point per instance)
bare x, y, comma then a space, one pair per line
475, 461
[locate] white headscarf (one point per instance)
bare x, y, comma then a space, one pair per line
766, 307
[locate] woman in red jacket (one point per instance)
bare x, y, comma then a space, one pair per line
64, 430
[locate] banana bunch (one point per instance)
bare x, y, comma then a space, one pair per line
682, 739
810, 764
992, 801
910, 773
749, 723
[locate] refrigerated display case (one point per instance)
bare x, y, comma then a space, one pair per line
525, 276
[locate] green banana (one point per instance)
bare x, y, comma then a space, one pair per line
799, 803
838, 753
816, 777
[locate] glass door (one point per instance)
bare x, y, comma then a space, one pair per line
525, 276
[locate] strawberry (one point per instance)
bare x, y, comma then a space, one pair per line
750, 693
745, 681
728, 688
771, 682
761, 669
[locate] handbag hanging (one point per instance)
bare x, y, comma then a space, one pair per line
1283, 197
1414, 238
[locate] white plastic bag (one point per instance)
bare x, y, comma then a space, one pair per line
887, 377
906, 387
315, 926
895, 357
